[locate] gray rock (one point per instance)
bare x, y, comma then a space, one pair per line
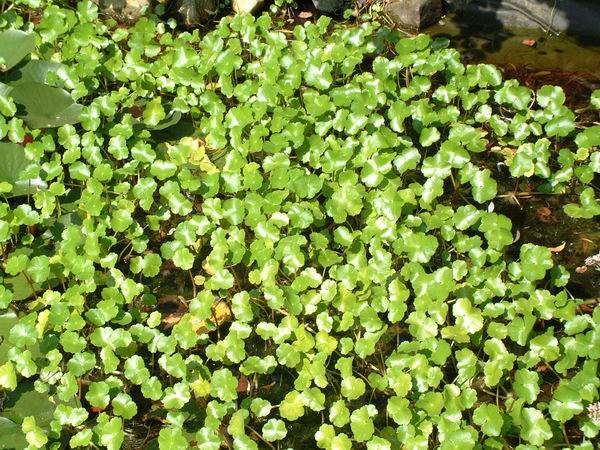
195, 12
124, 10
573, 16
247, 6
414, 14
328, 6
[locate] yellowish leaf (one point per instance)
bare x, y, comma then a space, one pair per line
221, 314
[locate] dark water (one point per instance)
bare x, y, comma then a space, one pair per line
489, 41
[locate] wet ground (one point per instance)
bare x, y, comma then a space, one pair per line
540, 219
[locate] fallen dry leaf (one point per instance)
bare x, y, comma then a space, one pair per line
266, 387
558, 248
586, 245
243, 384
529, 42
517, 236
544, 215
305, 15
544, 211
543, 368
137, 111
174, 307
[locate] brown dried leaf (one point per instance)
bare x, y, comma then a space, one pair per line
558, 248
137, 111
586, 245
267, 387
517, 236
585, 309
243, 384
171, 320
174, 307
305, 15
544, 211
543, 367
529, 42
544, 215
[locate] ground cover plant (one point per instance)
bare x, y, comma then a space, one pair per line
267, 238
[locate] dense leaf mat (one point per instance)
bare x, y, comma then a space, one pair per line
330, 190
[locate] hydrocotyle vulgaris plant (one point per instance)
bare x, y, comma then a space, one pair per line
331, 191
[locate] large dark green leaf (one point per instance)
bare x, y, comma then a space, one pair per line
33, 70
6, 104
20, 287
5, 89
12, 163
12, 436
43, 106
8, 318
14, 46
25, 401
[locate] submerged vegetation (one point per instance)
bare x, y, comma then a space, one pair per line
268, 238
